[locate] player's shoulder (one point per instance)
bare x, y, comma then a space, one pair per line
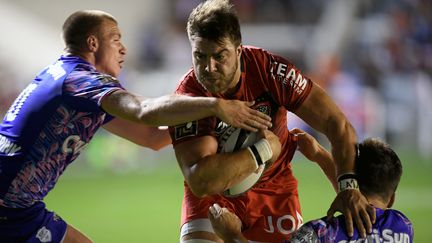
86, 74
82, 69
77, 64
264, 58
394, 224
189, 76
253, 52
251, 48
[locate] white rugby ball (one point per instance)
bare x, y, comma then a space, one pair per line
233, 139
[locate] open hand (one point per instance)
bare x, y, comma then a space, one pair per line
354, 206
239, 114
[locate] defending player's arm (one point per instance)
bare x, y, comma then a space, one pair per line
176, 109
208, 172
139, 133
313, 151
330, 120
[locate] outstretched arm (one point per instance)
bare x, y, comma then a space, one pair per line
321, 113
177, 109
313, 151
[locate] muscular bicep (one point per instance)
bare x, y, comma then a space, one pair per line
320, 112
191, 152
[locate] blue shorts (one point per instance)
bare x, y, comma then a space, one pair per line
31, 225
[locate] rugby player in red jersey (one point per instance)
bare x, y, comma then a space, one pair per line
223, 67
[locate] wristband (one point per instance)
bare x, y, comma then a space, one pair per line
347, 182
261, 151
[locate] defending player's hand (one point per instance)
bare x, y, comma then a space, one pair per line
239, 114
225, 224
306, 144
274, 142
355, 207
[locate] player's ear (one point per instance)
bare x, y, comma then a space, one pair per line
92, 43
239, 51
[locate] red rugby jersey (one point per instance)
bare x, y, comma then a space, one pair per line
275, 85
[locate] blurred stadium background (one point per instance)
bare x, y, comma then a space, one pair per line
373, 57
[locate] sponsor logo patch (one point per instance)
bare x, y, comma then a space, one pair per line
186, 130
266, 104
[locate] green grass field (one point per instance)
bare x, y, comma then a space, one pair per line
145, 206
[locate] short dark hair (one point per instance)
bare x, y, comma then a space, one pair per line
378, 168
80, 25
214, 20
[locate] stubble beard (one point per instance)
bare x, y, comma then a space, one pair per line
227, 81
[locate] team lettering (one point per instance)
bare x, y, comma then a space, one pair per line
387, 236
279, 221
288, 77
